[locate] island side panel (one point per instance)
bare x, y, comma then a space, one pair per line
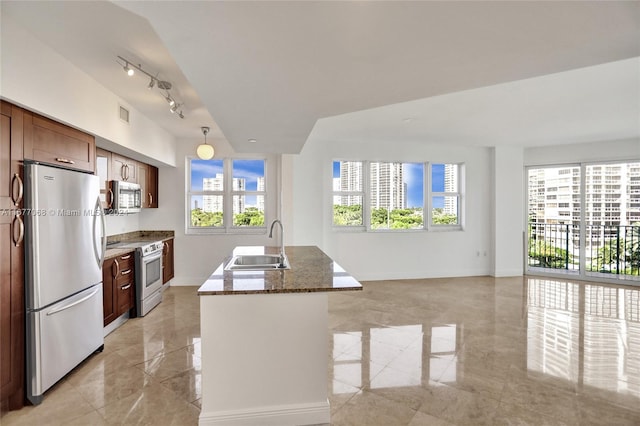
264, 359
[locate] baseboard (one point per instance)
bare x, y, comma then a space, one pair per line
507, 273
279, 415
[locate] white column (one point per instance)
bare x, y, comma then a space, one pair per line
508, 211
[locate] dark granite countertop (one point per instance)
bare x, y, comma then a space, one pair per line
311, 271
116, 242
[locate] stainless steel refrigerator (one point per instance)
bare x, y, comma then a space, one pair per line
64, 249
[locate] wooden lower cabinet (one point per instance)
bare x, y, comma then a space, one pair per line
167, 261
12, 315
118, 286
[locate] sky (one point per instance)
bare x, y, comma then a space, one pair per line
414, 178
250, 170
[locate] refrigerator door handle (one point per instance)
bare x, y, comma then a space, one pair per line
99, 212
77, 302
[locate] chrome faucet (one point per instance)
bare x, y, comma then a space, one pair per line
282, 265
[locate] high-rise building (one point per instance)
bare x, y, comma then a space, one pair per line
238, 184
213, 203
612, 194
260, 198
451, 185
388, 189
350, 180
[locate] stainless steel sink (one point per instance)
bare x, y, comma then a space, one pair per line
257, 262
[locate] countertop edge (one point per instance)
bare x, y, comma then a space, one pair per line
282, 291
220, 281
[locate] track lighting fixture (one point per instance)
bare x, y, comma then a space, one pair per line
154, 81
205, 151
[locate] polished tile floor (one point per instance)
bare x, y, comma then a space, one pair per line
460, 351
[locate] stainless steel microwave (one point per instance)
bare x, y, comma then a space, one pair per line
126, 197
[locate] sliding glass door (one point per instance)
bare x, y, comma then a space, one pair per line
584, 220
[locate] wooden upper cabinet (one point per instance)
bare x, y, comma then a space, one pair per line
148, 181
123, 168
51, 142
152, 186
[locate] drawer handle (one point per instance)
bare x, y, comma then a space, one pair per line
126, 287
126, 272
65, 160
125, 257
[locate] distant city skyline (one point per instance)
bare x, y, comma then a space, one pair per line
413, 179
208, 175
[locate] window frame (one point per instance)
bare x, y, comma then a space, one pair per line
459, 194
365, 193
227, 194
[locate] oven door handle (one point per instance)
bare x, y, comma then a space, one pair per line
151, 257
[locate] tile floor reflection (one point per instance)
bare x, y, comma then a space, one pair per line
460, 351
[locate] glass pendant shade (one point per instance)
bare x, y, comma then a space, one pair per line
205, 151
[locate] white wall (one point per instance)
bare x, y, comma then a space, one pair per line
628, 149
197, 256
372, 256
39, 79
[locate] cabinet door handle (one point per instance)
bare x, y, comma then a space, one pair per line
16, 200
65, 160
126, 287
126, 272
150, 199
18, 240
125, 257
110, 203
117, 271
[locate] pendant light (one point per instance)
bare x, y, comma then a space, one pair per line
205, 151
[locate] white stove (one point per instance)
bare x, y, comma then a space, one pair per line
148, 274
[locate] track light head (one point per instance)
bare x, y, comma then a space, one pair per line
174, 108
128, 70
152, 83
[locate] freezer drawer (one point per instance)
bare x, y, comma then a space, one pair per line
61, 336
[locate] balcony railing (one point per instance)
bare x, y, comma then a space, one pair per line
608, 249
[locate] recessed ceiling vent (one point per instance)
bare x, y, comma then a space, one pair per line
124, 114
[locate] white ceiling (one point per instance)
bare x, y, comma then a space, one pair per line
471, 73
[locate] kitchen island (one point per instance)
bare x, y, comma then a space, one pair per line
265, 339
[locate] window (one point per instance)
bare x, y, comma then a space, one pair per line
348, 195
225, 195
396, 192
445, 194
377, 196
